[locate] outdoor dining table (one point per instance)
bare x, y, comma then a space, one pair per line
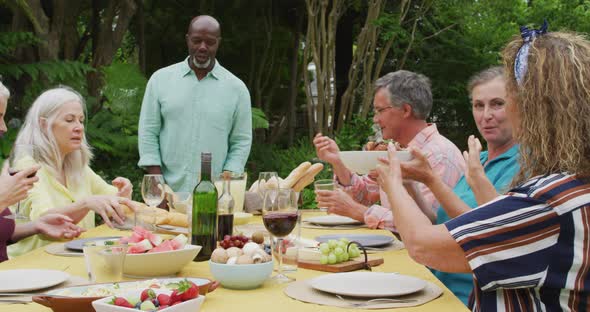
266, 298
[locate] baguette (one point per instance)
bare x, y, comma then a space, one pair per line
176, 219
308, 177
295, 175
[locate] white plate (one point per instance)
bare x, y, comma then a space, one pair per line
332, 220
27, 280
173, 229
368, 284
362, 162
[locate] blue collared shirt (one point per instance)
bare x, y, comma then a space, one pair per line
182, 116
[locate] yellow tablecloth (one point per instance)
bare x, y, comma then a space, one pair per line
266, 298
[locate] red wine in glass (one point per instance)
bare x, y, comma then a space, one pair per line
280, 224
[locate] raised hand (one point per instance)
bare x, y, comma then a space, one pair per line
15, 188
108, 206
474, 169
418, 168
340, 203
124, 186
57, 226
326, 149
390, 173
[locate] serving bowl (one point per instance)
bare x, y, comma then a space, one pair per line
73, 299
193, 305
241, 276
164, 263
362, 162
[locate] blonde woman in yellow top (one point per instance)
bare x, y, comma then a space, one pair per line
55, 126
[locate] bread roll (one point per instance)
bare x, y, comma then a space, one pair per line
308, 177
295, 175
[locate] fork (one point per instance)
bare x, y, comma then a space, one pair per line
376, 300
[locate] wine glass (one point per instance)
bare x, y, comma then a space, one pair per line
280, 218
268, 182
152, 191
22, 156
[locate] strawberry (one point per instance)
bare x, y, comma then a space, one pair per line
122, 302
187, 290
147, 294
164, 299
175, 297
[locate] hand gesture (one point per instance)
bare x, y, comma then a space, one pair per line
390, 173
474, 170
57, 226
417, 169
326, 149
340, 203
124, 186
108, 206
15, 188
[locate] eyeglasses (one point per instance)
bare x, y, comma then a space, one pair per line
378, 111
208, 41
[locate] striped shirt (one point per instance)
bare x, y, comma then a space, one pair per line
445, 159
529, 250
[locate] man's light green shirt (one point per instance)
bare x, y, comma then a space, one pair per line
182, 117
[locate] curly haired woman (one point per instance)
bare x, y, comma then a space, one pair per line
528, 249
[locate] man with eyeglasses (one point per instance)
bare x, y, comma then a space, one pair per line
195, 106
401, 105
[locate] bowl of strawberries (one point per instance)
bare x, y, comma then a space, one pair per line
184, 299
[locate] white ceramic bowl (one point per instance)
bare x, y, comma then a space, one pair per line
159, 263
241, 276
362, 162
193, 305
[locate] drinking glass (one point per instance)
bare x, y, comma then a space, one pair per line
327, 185
280, 218
152, 190
104, 263
237, 188
22, 156
268, 182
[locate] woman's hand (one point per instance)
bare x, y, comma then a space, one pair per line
326, 149
390, 173
15, 188
340, 203
474, 170
57, 226
108, 206
124, 186
418, 168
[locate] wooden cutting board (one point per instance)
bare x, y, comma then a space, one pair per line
347, 266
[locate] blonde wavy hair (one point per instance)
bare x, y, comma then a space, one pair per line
46, 106
552, 105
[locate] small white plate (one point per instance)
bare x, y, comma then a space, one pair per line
27, 280
332, 220
173, 229
368, 284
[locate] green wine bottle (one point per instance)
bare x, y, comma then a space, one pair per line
204, 218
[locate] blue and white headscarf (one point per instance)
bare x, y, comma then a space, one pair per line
520, 65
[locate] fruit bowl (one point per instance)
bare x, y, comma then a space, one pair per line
163, 263
104, 305
362, 162
241, 276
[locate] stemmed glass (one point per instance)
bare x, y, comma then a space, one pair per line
21, 157
280, 218
153, 191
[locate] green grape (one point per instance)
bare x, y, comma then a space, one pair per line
332, 243
339, 258
324, 259
332, 258
338, 251
345, 256
354, 253
342, 245
324, 248
345, 240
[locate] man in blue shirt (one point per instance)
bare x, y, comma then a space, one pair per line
195, 106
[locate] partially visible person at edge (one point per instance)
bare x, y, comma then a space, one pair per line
488, 172
402, 103
55, 127
527, 249
195, 106
13, 189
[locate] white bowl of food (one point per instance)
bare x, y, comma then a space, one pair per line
132, 302
164, 263
362, 162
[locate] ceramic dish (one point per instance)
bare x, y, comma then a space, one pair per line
364, 161
78, 244
164, 263
193, 305
332, 220
28, 280
368, 284
367, 240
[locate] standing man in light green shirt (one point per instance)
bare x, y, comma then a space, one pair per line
195, 106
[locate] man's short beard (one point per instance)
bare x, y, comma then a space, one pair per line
202, 66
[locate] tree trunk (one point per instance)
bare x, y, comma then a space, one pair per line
141, 35
343, 60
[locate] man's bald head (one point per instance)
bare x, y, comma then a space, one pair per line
206, 22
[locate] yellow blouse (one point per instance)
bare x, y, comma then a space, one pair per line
48, 193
